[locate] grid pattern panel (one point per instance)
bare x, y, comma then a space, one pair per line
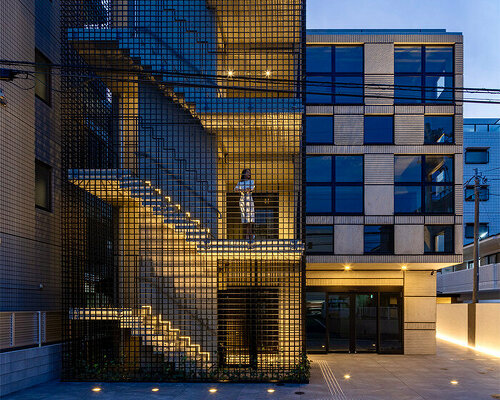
183, 158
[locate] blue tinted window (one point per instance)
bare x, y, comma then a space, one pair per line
476, 156
469, 230
407, 169
438, 169
319, 239
378, 129
439, 199
319, 129
348, 89
319, 90
494, 128
319, 199
439, 59
349, 169
438, 129
407, 199
319, 59
349, 59
438, 239
438, 89
349, 199
407, 59
408, 89
319, 169
469, 128
379, 239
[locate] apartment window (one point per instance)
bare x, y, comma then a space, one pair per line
319, 129
379, 129
423, 184
476, 156
334, 74
438, 129
42, 77
438, 239
484, 193
483, 230
334, 184
423, 74
379, 239
319, 239
43, 185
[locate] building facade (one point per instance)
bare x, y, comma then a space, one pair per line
182, 249
30, 194
383, 185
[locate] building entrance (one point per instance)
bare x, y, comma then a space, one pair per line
353, 322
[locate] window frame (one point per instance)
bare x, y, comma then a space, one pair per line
452, 240
333, 185
364, 129
452, 127
423, 77
333, 75
39, 163
308, 252
423, 184
47, 71
380, 252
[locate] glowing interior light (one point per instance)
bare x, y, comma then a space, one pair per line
212, 390
268, 73
96, 389
347, 376
148, 183
188, 214
270, 390
230, 73
454, 382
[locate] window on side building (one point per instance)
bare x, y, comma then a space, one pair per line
483, 230
42, 77
43, 186
438, 239
476, 156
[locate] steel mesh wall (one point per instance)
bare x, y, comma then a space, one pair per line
178, 263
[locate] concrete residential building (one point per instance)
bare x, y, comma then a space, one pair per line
481, 151
384, 185
30, 195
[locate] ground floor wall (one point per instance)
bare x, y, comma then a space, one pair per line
417, 291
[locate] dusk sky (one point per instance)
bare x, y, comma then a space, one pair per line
478, 20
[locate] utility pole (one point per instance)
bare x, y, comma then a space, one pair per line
475, 287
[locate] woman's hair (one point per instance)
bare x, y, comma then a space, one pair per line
244, 172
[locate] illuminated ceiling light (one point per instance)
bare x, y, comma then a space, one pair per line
188, 214
270, 390
347, 376
96, 389
404, 267
230, 73
268, 73
212, 390
454, 382
155, 390
347, 267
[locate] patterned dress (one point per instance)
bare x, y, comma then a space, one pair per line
247, 206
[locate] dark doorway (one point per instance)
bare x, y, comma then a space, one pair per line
359, 322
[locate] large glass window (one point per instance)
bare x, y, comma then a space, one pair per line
379, 239
423, 184
476, 156
42, 77
43, 186
340, 65
319, 239
483, 230
438, 129
319, 129
438, 239
423, 74
379, 129
334, 184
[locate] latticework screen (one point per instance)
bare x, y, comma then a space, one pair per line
182, 124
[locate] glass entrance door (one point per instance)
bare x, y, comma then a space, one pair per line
339, 322
316, 331
365, 330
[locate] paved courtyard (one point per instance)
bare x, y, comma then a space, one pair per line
334, 377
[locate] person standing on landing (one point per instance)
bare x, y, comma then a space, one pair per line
247, 207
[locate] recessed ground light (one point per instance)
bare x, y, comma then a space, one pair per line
96, 389
212, 390
347, 376
454, 382
155, 390
271, 390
